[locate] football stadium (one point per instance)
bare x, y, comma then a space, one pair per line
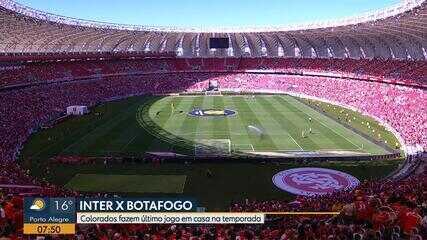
319, 117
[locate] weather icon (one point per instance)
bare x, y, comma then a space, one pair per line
38, 204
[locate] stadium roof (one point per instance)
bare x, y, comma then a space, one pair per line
395, 32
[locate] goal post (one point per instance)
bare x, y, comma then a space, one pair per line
212, 147
213, 93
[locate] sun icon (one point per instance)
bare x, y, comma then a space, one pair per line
38, 204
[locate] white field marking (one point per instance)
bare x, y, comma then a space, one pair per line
66, 149
270, 150
239, 147
332, 149
309, 115
183, 185
293, 139
186, 96
193, 96
238, 124
186, 100
99, 126
278, 150
175, 118
214, 133
127, 144
89, 133
319, 151
174, 115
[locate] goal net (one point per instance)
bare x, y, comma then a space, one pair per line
213, 93
212, 147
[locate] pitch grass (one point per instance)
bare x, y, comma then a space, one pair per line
360, 122
128, 183
113, 128
283, 119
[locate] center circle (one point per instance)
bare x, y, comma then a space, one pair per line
211, 112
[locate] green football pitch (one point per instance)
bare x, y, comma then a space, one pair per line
162, 124
259, 124
137, 125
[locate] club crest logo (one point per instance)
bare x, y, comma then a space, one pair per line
212, 112
314, 181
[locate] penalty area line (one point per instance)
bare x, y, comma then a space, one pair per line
129, 142
323, 124
293, 139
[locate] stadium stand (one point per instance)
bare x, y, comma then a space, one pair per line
369, 97
392, 33
409, 73
375, 210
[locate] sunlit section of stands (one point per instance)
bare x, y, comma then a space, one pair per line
397, 33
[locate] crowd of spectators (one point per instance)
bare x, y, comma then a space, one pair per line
77, 70
377, 210
396, 105
29, 108
25, 110
392, 71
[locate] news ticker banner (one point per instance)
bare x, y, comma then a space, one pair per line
44, 216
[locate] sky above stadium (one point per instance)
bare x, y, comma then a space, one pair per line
209, 13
